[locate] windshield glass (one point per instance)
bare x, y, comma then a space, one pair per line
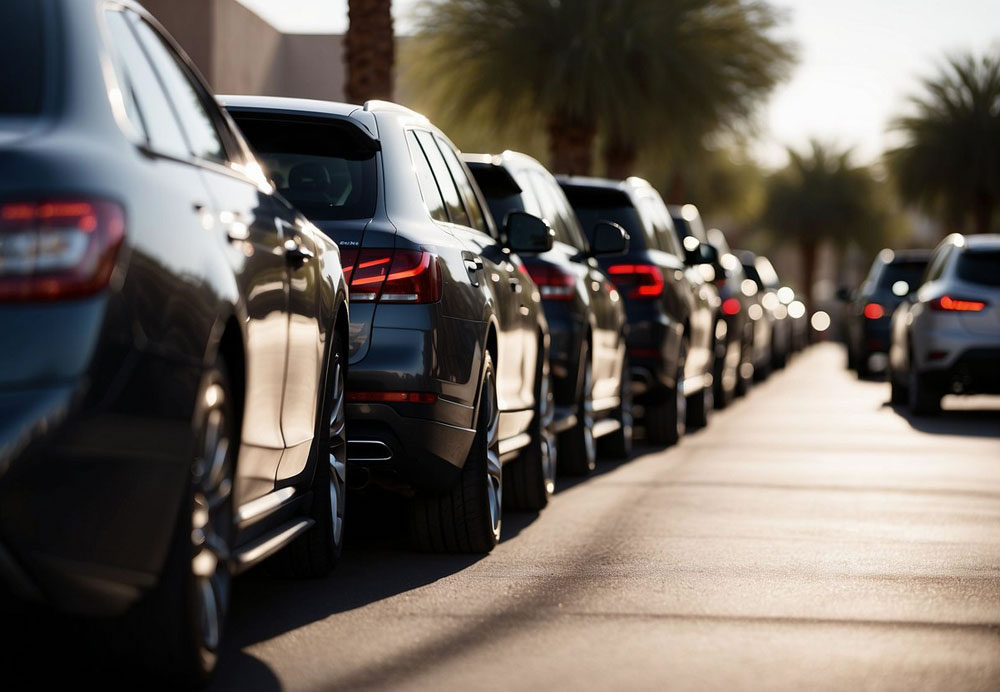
910, 272
22, 53
980, 267
319, 167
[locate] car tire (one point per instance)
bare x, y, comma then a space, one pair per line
699, 407
178, 627
618, 445
530, 480
317, 552
923, 399
577, 447
899, 395
467, 518
666, 420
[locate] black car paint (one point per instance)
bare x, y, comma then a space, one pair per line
488, 303
97, 394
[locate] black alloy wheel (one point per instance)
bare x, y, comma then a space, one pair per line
577, 446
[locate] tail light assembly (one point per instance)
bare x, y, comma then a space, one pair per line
952, 304
874, 311
392, 276
731, 306
637, 281
58, 249
553, 283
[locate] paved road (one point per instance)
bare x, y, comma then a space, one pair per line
811, 538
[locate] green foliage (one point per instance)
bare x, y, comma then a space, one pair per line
646, 74
950, 162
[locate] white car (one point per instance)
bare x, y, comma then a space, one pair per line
946, 336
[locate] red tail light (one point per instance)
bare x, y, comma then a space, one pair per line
637, 280
392, 276
59, 248
731, 306
949, 304
874, 311
391, 397
553, 283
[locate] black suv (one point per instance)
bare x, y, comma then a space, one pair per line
670, 333
585, 313
894, 275
448, 341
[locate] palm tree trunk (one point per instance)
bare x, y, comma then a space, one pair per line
678, 189
808, 248
571, 144
619, 160
369, 50
985, 205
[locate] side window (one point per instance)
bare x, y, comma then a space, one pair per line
528, 197
476, 217
187, 97
550, 209
425, 179
574, 233
148, 101
646, 214
453, 203
937, 264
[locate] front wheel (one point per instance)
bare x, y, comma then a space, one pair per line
466, 518
666, 420
924, 400
577, 447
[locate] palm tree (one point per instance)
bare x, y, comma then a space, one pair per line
950, 163
588, 68
820, 197
369, 50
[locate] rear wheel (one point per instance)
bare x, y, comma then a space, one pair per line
577, 447
318, 551
466, 518
666, 420
181, 624
618, 445
898, 393
699, 408
531, 479
924, 400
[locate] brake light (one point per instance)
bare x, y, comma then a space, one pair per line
637, 280
731, 306
553, 283
58, 249
949, 304
392, 276
874, 311
391, 397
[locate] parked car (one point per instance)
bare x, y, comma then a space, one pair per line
946, 335
737, 307
585, 314
670, 330
759, 270
893, 276
174, 340
727, 344
449, 375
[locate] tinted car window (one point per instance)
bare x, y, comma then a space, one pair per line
22, 53
203, 137
596, 204
452, 202
476, 218
910, 272
154, 111
979, 267
503, 194
425, 179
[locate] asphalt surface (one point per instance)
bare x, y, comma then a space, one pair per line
812, 537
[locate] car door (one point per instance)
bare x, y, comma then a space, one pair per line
242, 213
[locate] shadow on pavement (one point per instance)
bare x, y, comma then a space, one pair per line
983, 422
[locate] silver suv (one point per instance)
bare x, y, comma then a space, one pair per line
946, 336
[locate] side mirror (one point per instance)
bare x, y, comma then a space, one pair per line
607, 238
702, 253
528, 234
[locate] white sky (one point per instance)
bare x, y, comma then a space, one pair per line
858, 60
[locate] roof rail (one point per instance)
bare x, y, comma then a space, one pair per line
375, 104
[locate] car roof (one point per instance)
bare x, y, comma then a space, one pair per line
984, 241
282, 104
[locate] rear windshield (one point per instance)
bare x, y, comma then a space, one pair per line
22, 53
323, 169
979, 267
910, 271
503, 195
593, 205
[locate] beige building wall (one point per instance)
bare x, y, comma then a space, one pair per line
240, 53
